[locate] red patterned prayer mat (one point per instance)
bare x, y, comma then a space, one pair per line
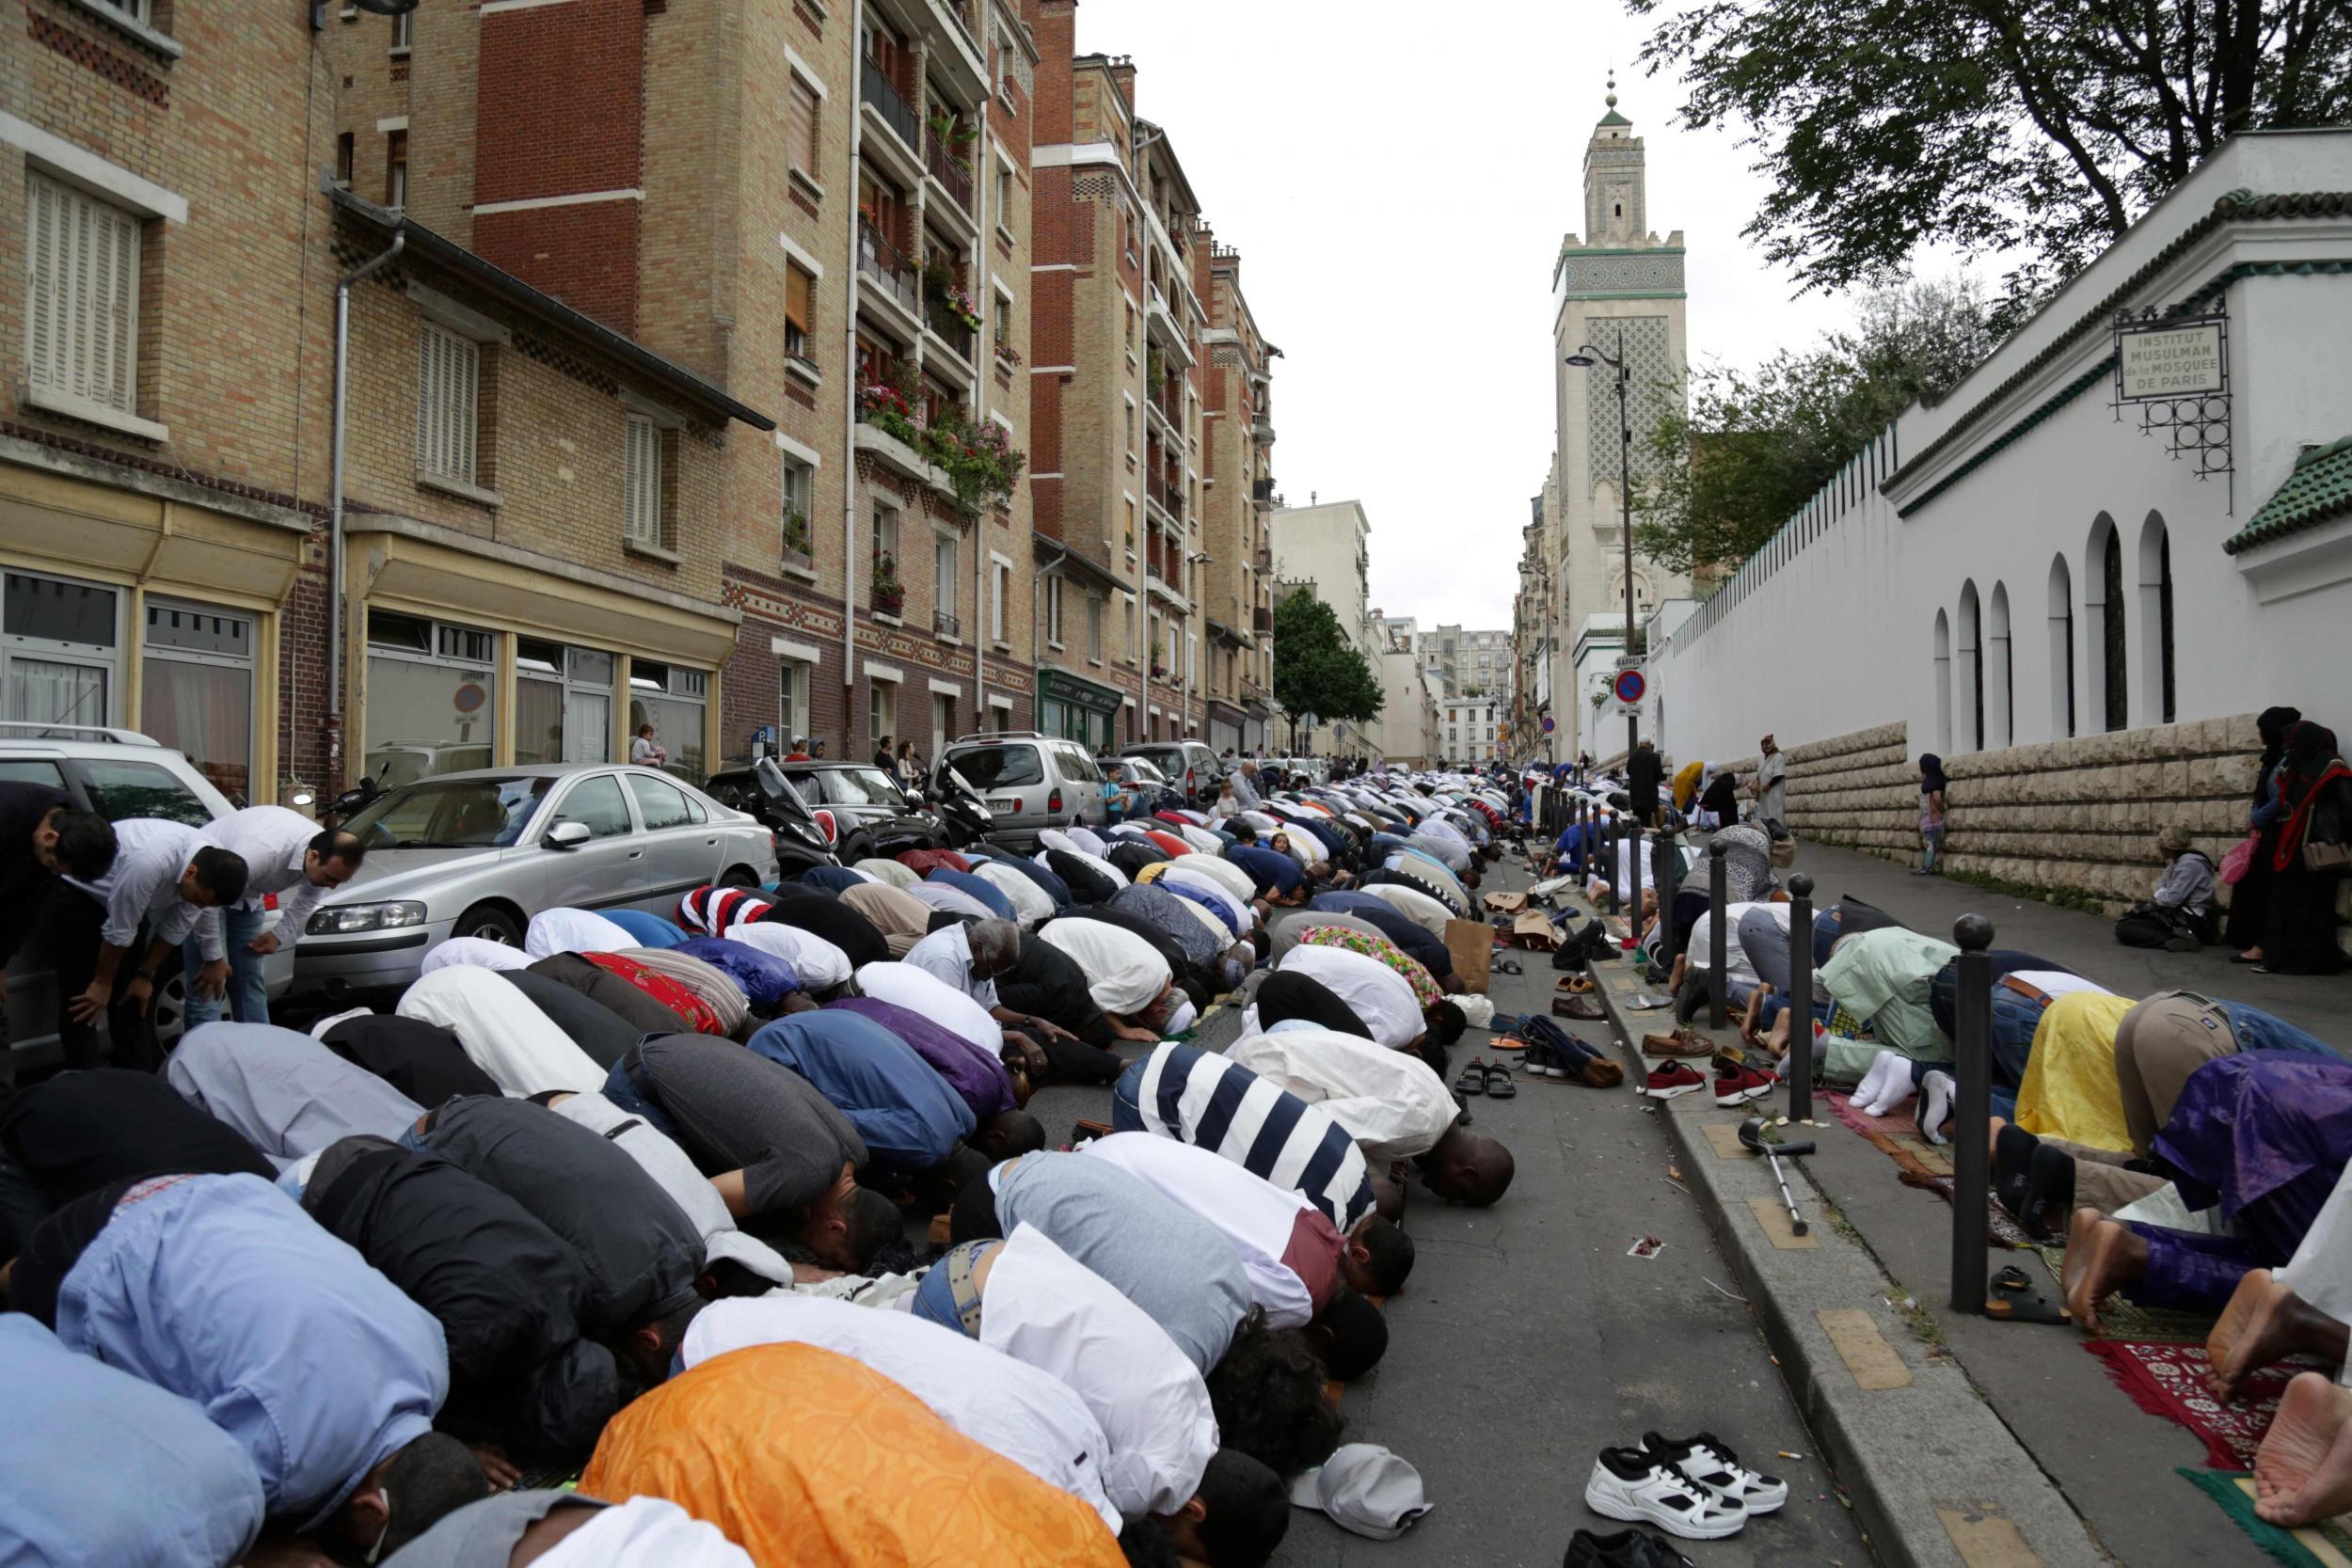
2168, 1380
1845, 1110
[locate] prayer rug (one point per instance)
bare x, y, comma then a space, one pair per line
2120, 1318
2168, 1380
1845, 1110
2326, 1544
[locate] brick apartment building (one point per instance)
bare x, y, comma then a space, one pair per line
1235, 584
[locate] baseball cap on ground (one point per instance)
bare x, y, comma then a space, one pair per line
1364, 1488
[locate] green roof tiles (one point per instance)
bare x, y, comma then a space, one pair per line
2318, 490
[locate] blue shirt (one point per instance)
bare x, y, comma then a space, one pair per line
1223, 911
1267, 868
104, 1468
320, 1375
908, 1114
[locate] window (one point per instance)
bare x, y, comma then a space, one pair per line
881, 709
658, 804
563, 702
792, 709
1003, 196
117, 789
1095, 628
944, 585
451, 815
999, 587
346, 154
195, 691
431, 698
82, 295
1131, 506
798, 288
403, 32
1127, 624
448, 372
1131, 426
59, 645
595, 802
642, 481
1052, 611
2115, 692
1004, 322
800, 106
1131, 324
1000, 767
800, 495
671, 700
885, 536
396, 170
130, 10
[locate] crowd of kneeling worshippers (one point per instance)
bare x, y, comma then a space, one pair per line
2191, 1151
639, 1200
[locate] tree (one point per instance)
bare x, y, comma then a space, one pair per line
1754, 445
1316, 670
2037, 127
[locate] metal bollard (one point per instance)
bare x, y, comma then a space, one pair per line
1639, 846
1801, 997
1716, 944
1609, 831
1669, 870
1972, 1154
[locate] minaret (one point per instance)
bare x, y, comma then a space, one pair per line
1615, 200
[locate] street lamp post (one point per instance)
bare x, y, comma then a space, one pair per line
1583, 359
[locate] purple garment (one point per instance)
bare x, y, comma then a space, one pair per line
979, 1079
765, 980
2191, 1273
2265, 1135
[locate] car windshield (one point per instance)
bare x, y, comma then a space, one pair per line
452, 814
1140, 772
861, 786
119, 789
1000, 767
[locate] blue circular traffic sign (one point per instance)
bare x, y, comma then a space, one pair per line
1547, 725
1629, 686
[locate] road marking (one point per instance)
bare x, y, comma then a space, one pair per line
1772, 1216
1986, 1537
1724, 1137
1868, 1355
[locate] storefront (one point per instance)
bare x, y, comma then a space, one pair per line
1075, 708
1225, 727
148, 613
477, 654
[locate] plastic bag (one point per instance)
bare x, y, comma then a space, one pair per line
2240, 858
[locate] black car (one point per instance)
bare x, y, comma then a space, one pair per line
759, 790
1192, 769
871, 814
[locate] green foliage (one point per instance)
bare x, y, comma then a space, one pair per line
977, 458
2035, 128
1315, 668
1754, 445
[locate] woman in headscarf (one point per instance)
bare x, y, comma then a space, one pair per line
2314, 841
1931, 783
2249, 901
1719, 801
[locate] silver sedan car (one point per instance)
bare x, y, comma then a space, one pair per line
478, 853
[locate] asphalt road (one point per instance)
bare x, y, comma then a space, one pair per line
1526, 1339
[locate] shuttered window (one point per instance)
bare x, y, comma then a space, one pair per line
81, 318
796, 291
448, 372
642, 481
801, 141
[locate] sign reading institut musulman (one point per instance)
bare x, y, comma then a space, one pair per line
2175, 360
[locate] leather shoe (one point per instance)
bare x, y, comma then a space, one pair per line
1583, 1008
1630, 1548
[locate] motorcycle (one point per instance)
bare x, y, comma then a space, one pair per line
960, 808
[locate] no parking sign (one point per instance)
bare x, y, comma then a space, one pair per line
1629, 688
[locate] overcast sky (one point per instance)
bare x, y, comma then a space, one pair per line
1398, 180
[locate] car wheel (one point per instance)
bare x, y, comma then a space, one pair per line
491, 922
169, 1007
739, 876
857, 849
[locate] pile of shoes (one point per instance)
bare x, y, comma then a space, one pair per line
1694, 1487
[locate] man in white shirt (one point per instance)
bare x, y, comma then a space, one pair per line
1414, 904
1126, 977
284, 854
563, 930
502, 1034
164, 876
1390, 1101
1371, 990
1011, 1408
969, 956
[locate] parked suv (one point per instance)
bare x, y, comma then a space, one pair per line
1190, 767
120, 774
1031, 782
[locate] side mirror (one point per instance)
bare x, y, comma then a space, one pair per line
568, 835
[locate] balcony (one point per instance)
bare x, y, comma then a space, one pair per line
890, 106
1170, 410
1262, 621
943, 167
949, 328
1264, 558
1167, 496
885, 265
1262, 491
1261, 431
945, 624
1161, 323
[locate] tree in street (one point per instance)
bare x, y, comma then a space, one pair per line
2037, 127
1754, 445
1316, 670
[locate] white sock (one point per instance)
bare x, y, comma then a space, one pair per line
1876, 1082
1896, 1090
1935, 1105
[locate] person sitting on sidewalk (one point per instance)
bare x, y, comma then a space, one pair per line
2181, 917
2263, 1138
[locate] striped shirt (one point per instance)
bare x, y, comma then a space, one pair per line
1199, 1097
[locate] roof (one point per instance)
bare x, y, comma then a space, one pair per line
1613, 118
439, 250
2319, 490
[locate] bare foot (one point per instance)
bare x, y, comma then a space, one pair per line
2267, 1321
1776, 1038
2303, 1471
2102, 1256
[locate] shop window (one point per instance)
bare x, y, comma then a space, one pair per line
82, 296
671, 699
431, 705
59, 650
195, 691
563, 704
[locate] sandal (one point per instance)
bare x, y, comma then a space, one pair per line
1507, 1042
1499, 1084
1507, 966
1474, 1078
2013, 1299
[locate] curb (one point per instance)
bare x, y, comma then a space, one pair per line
1935, 1476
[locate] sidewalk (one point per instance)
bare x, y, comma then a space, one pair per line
1976, 1411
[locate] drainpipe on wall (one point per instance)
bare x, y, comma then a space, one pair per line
335, 609
848, 424
985, 297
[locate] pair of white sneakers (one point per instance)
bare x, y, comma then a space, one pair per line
1694, 1487
1888, 1084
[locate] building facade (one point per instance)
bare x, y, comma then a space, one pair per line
1324, 548
1471, 730
1235, 583
1617, 291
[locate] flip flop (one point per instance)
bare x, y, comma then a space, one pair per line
1472, 1079
2013, 1299
1507, 966
1506, 1042
1499, 1084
